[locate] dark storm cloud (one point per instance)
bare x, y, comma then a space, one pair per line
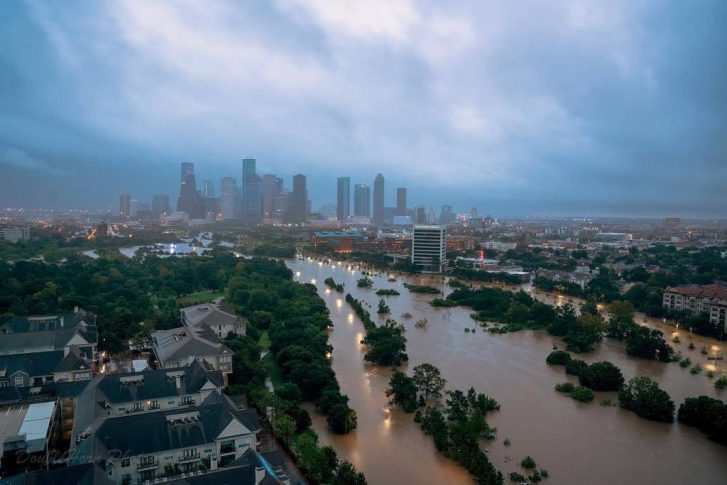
518, 108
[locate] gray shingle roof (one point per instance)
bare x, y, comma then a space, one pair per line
179, 343
125, 433
208, 314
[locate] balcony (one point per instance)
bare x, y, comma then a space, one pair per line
147, 465
188, 458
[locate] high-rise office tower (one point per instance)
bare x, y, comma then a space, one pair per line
160, 205
298, 200
209, 189
361, 200
271, 187
401, 201
379, 199
420, 216
251, 198
429, 248
188, 197
228, 198
446, 216
125, 205
343, 199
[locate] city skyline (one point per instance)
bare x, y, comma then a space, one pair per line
577, 109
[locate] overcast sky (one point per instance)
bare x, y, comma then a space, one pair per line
516, 108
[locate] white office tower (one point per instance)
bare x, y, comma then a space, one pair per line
429, 248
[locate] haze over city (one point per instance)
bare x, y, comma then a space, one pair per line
547, 108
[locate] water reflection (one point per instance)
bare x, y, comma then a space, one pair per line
577, 443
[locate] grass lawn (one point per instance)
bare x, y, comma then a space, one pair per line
275, 374
264, 342
199, 297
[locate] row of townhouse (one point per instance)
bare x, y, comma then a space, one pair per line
200, 336
699, 299
36, 350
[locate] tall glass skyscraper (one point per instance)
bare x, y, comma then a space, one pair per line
379, 199
298, 200
343, 199
251, 197
362, 200
401, 201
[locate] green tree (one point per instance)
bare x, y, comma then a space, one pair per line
346, 474
644, 397
429, 380
285, 427
601, 376
558, 357
402, 392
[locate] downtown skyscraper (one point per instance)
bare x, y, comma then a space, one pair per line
189, 200
379, 199
401, 201
362, 200
343, 199
251, 197
298, 200
229, 198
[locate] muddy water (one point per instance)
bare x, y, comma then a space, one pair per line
577, 443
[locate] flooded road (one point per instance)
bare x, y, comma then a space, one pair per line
576, 443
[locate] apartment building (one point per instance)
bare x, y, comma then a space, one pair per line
151, 444
699, 299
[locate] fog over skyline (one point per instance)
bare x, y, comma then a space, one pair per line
516, 108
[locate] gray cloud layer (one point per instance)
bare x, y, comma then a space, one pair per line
517, 108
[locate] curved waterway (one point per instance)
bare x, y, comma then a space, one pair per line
577, 443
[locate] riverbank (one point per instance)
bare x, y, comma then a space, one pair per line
574, 441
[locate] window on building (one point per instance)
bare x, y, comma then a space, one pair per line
190, 453
146, 460
125, 462
19, 381
153, 404
138, 406
186, 400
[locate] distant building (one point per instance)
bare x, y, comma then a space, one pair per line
699, 299
499, 245
125, 206
229, 199
15, 234
420, 215
189, 199
429, 248
361, 200
272, 187
298, 200
338, 241
251, 194
343, 199
401, 201
160, 205
378, 208
446, 216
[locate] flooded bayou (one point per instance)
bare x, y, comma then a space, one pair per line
575, 442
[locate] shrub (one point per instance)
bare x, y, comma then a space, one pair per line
565, 387
601, 376
575, 366
558, 357
721, 383
685, 362
528, 463
582, 394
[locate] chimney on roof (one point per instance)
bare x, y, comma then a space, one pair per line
62, 319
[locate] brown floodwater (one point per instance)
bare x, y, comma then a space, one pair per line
576, 443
